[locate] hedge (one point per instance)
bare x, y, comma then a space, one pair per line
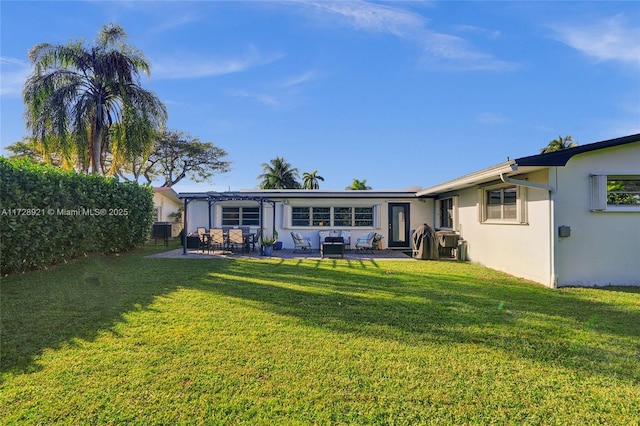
48, 216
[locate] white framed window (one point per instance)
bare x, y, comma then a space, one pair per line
236, 216
332, 216
503, 204
447, 213
615, 192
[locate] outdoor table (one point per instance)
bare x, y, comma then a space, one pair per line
332, 248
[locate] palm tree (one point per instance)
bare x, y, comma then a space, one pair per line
279, 174
559, 144
310, 180
80, 98
358, 185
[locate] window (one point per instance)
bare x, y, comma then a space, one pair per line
231, 216
503, 204
332, 216
235, 216
250, 216
342, 216
615, 192
300, 216
321, 216
446, 213
363, 216
623, 191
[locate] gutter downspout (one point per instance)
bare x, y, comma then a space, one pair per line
552, 273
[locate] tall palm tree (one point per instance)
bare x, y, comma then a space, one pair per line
559, 144
279, 174
310, 180
83, 97
358, 185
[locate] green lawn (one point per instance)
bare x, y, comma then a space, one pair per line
126, 339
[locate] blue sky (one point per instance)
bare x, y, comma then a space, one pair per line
404, 93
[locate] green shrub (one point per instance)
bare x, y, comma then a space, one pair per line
48, 215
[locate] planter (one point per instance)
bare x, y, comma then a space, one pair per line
267, 250
278, 245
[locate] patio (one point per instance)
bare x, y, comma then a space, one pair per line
285, 254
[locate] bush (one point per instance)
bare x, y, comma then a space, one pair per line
48, 215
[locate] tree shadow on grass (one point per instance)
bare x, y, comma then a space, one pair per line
50, 309
523, 319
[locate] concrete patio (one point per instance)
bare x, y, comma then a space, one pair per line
285, 254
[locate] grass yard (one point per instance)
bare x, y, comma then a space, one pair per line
126, 339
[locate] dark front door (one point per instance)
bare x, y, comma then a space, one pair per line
398, 226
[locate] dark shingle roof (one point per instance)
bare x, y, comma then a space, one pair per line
560, 158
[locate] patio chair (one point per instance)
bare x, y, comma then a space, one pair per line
255, 239
366, 242
300, 242
236, 239
202, 238
216, 239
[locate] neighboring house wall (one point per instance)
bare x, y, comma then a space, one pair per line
165, 206
604, 246
520, 249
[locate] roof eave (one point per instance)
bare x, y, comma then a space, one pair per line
481, 176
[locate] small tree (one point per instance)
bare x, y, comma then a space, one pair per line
358, 185
279, 174
310, 180
559, 144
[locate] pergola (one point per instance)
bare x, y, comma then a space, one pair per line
213, 197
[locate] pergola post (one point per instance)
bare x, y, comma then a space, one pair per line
184, 227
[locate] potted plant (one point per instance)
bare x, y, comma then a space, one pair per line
267, 244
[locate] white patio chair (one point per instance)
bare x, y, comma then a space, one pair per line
365, 242
300, 242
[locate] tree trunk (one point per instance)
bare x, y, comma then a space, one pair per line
96, 143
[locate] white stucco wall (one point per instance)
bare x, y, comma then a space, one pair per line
166, 206
523, 250
604, 247
420, 212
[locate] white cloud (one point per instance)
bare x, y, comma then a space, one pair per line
299, 79
490, 34
447, 52
262, 98
199, 66
13, 74
612, 39
443, 51
371, 17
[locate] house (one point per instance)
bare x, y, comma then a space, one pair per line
566, 218
166, 203
389, 213
553, 218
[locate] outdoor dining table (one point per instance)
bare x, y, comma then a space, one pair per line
247, 238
